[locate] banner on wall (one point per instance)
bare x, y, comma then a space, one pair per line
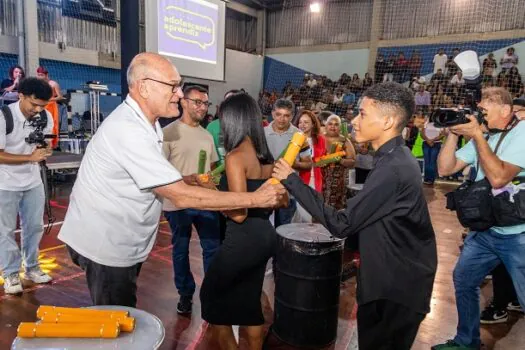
188, 29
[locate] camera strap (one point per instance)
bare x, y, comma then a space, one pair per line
504, 133
9, 122
512, 123
8, 116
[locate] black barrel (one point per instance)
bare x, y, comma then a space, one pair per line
307, 279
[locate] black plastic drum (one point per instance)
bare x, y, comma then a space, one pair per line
307, 281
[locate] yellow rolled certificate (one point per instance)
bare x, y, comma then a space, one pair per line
127, 324
42, 310
294, 147
108, 329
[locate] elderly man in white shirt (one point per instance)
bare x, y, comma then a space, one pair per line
113, 217
21, 187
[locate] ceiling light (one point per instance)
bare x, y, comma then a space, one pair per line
315, 7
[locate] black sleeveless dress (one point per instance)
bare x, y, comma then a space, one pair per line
232, 287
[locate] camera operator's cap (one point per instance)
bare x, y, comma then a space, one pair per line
468, 62
518, 102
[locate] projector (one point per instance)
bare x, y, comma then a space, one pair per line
96, 85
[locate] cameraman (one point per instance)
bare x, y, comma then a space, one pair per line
21, 187
483, 251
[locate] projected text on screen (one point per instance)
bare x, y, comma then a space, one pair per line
188, 29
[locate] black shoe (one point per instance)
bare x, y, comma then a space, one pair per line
492, 316
184, 305
514, 306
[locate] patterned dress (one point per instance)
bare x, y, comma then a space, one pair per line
335, 185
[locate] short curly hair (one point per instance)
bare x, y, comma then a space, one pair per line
394, 99
38, 88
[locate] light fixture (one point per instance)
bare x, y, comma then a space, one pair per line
315, 7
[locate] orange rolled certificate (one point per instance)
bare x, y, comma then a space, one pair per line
330, 156
81, 330
127, 324
293, 150
42, 310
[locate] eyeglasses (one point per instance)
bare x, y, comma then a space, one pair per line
199, 103
174, 87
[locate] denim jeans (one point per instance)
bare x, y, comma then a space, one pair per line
284, 216
208, 228
30, 205
482, 252
430, 155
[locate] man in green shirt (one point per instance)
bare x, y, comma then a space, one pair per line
214, 128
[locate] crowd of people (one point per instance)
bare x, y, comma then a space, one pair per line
443, 88
133, 170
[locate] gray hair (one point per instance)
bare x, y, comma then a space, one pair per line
129, 75
284, 104
333, 116
143, 65
137, 70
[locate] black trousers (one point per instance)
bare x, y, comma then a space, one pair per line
386, 325
109, 285
502, 287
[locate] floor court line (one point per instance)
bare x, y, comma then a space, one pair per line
61, 222
200, 336
40, 286
63, 245
52, 248
70, 277
45, 226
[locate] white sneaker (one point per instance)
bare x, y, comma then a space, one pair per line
12, 284
37, 276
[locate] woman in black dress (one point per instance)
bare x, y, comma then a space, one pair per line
232, 287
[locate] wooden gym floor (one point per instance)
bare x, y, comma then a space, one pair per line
157, 293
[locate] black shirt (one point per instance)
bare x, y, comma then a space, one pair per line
5, 84
390, 216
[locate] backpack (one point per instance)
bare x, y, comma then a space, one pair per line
6, 111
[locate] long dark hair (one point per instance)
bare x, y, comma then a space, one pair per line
12, 70
240, 118
316, 124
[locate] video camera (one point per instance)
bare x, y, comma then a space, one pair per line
468, 63
39, 123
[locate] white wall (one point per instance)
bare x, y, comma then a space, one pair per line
243, 70
329, 63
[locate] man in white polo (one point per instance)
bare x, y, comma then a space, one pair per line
113, 216
21, 187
